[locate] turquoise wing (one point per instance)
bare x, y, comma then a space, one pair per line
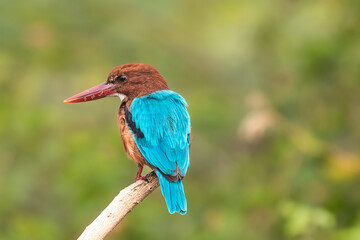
164, 122
161, 128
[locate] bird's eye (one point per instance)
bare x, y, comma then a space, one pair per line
120, 78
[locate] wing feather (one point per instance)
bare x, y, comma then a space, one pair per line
163, 119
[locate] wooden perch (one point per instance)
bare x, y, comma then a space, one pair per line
122, 204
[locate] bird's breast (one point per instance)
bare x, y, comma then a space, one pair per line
130, 147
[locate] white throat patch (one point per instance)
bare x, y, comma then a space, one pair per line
121, 96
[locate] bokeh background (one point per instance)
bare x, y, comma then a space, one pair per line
273, 92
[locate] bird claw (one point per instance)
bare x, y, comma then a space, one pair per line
138, 175
141, 178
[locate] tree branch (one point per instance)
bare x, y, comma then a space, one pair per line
122, 204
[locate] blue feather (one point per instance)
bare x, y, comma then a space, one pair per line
173, 193
163, 119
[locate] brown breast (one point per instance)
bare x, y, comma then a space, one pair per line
131, 150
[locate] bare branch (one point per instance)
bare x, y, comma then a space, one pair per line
122, 204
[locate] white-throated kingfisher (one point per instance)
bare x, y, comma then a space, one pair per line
154, 125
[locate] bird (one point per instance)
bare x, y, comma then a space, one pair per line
154, 126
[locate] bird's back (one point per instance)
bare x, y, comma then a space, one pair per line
160, 127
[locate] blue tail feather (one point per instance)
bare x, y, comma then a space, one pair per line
173, 193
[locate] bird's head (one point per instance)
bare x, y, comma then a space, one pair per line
129, 80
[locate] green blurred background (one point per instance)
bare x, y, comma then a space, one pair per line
273, 92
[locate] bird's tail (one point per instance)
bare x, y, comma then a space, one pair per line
174, 195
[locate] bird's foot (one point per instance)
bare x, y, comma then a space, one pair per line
138, 175
141, 178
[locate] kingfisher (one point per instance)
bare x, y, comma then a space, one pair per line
154, 125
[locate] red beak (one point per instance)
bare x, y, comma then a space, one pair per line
97, 92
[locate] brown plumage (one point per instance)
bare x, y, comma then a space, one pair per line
141, 79
131, 150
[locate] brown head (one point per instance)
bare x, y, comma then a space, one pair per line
130, 80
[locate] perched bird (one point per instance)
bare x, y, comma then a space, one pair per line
154, 125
